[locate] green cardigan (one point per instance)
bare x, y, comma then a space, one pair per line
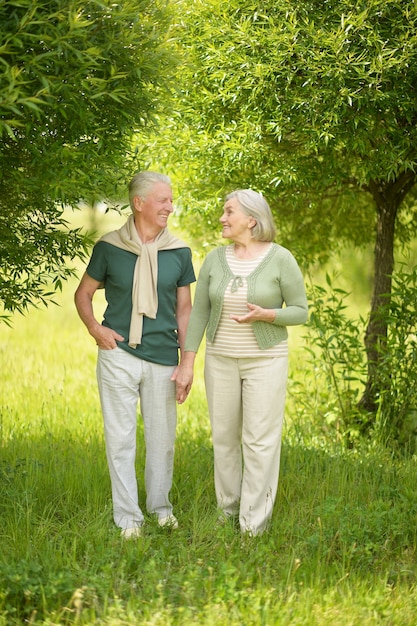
276, 280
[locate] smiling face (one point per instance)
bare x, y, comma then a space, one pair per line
153, 211
236, 225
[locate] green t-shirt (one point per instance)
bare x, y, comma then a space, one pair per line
114, 267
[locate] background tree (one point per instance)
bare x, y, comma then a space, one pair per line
312, 103
77, 79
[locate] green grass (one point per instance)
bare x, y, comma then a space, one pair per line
341, 550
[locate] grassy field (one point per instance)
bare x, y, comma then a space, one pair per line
341, 550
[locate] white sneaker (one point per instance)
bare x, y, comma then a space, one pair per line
225, 518
132, 533
168, 522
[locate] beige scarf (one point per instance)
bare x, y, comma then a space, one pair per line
144, 288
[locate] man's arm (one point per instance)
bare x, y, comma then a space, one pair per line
183, 313
105, 337
183, 377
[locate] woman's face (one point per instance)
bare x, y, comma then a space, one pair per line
236, 225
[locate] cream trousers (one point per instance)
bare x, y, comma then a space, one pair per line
246, 400
123, 381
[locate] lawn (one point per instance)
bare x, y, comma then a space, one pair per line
341, 549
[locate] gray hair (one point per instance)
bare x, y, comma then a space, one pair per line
253, 204
142, 182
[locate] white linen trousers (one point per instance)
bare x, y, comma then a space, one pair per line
123, 381
246, 400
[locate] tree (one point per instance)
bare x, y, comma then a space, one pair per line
313, 103
77, 79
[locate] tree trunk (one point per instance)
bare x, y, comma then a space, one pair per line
387, 197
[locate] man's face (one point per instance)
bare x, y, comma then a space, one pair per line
156, 208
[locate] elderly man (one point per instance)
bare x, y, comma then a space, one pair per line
146, 273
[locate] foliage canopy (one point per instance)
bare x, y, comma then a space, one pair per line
309, 102
76, 80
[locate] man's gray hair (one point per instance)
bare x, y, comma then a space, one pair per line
142, 182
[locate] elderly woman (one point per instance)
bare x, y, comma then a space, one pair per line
239, 302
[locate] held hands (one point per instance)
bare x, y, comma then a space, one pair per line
256, 314
183, 376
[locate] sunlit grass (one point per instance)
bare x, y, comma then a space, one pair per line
341, 549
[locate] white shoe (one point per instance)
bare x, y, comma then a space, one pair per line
132, 533
168, 522
225, 518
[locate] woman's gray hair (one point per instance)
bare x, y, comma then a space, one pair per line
253, 204
142, 182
